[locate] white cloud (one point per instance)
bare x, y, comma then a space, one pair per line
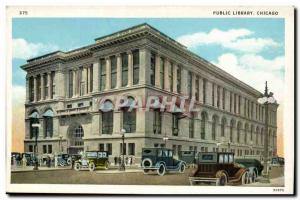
24, 50
235, 39
18, 95
255, 70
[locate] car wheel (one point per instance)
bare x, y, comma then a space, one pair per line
182, 168
223, 179
146, 171
77, 166
106, 165
92, 167
244, 178
161, 170
69, 161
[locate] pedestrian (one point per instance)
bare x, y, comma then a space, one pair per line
126, 160
116, 160
48, 161
55, 161
129, 161
24, 161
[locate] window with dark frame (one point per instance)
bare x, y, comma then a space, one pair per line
113, 65
136, 66
102, 74
124, 58
152, 69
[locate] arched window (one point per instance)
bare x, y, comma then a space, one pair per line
129, 116
48, 123
257, 134
191, 126
214, 127
246, 133
223, 123
231, 130
239, 131
203, 124
107, 117
33, 119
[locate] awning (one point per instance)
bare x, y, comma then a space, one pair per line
34, 115
48, 113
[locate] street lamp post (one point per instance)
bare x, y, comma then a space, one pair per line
36, 126
122, 166
266, 100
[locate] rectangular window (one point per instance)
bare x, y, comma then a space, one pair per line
107, 122
81, 81
113, 65
204, 91
31, 89
44, 149
218, 96
162, 73
191, 127
252, 110
45, 86
239, 105
230, 98
171, 77
101, 147
189, 86
234, 103
157, 122
131, 149
49, 148
175, 124
213, 94
223, 99
124, 58
102, 74
53, 84
124, 149
70, 83
197, 88
39, 89
69, 106
91, 78
245, 107
152, 69
178, 79
109, 148
136, 66
30, 148
80, 105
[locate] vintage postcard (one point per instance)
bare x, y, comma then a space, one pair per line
150, 100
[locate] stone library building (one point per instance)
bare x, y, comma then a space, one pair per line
63, 90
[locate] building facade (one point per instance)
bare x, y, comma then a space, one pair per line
63, 90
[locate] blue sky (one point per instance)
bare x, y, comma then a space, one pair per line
250, 49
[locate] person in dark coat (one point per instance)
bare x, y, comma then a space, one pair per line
116, 160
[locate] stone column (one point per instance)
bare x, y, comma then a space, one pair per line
119, 71
108, 74
130, 69
209, 91
237, 103
157, 71
87, 79
184, 81
175, 66
96, 76
42, 87
35, 88
221, 97
145, 62
201, 96
74, 83
227, 100
84, 78
49, 85
166, 75
216, 94
27, 90
193, 85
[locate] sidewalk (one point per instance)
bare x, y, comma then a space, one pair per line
30, 168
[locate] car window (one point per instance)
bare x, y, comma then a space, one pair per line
104, 154
160, 153
230, 158
226, 158
170, 153
91, 154
100, 155
207, 157
221, 158
165, 153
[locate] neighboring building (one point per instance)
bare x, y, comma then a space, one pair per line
62, 89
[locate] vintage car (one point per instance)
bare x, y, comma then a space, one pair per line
92, 160
255, 167
15, 156
189, 157
277, 161
218, 168
161, 160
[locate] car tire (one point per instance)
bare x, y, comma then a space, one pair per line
182, 168
161, 170
92, 167
145, 161
222, 179
77, 166
245, 178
